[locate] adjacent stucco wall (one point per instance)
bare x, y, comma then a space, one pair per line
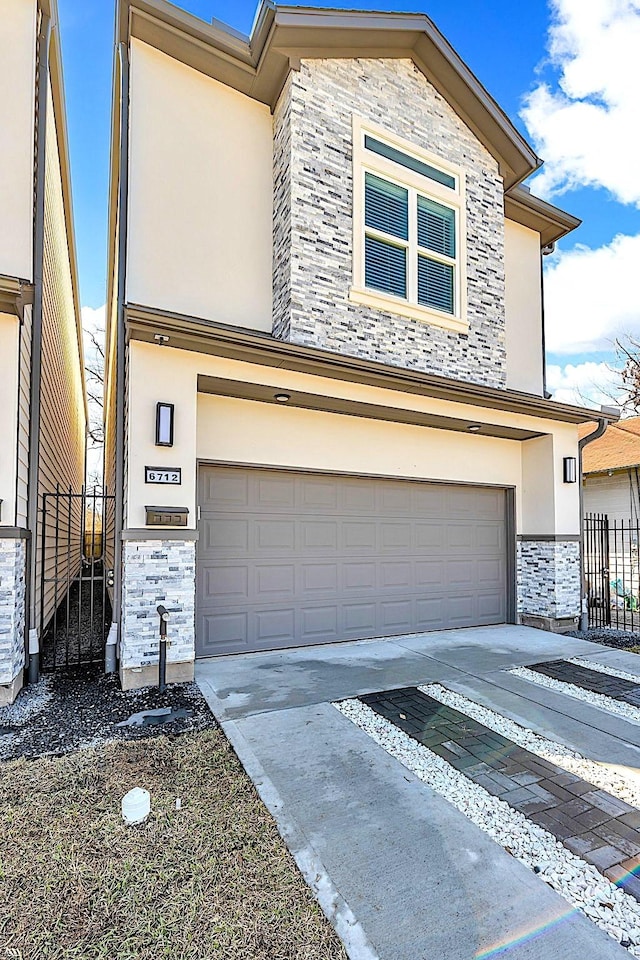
17, 104
523, 308
9, 380
314, 251
617, 495
200, 195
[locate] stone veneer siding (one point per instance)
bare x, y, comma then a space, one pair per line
549, 578
313, 224
153, 572
12, 608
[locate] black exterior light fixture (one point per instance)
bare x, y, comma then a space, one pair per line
474, 428
282, 397
164, 424
570, 470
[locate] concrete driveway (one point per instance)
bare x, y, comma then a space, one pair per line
402, 874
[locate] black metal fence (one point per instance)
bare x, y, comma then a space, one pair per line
75, 612
612, 572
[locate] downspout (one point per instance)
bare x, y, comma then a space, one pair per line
545, 252
123, 193
597, 433
44, 37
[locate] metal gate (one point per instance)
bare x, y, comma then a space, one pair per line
74, 605
612, 572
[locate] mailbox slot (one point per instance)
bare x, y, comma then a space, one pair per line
167, 516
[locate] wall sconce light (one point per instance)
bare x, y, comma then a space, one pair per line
164, 424
570, 474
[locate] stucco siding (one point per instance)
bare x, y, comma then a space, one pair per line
318, 106
200, 196
523, 308
17, 108
62, 425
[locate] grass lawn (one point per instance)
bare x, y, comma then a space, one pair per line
213, 879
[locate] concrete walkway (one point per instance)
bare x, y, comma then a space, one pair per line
402, 874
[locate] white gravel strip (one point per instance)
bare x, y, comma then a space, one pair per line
614, 911
619, 782
600, 668
620, 709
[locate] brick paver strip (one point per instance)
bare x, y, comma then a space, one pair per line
615, 687
591, 823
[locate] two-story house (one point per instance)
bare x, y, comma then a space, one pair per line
325, 407
42, 395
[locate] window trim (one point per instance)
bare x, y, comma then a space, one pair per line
366, 161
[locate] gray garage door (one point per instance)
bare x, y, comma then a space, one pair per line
299, 558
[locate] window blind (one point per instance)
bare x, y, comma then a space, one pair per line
386, 206
385, 267
436, 227
435, 284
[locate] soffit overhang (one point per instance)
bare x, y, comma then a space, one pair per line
238, 343
550, 222
258, 65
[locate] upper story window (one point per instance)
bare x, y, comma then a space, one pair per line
409, 230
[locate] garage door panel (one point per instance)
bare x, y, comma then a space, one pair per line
287, 559
319, 536
223, 633
430, 536
320, 494
276, 493
430, 575
430, 613
397, 616
274, 535
319, 578
359, 536
222, 582
358, 497
396, 575
274, 582
319, 624
274, 625
359, 619
358, 576
395, 536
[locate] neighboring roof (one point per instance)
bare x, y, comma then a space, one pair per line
617, 449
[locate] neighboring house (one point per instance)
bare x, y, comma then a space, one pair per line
611, 507
323, 265
611, 472
42, 399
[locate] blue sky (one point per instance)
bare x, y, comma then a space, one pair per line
561, 70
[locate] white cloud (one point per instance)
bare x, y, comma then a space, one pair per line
586, 128
583, 384
592, 296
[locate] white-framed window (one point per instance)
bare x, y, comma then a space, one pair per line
409, 230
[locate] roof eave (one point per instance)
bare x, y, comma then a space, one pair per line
549, 221
258, 66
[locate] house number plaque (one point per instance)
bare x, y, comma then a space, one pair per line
163, 475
